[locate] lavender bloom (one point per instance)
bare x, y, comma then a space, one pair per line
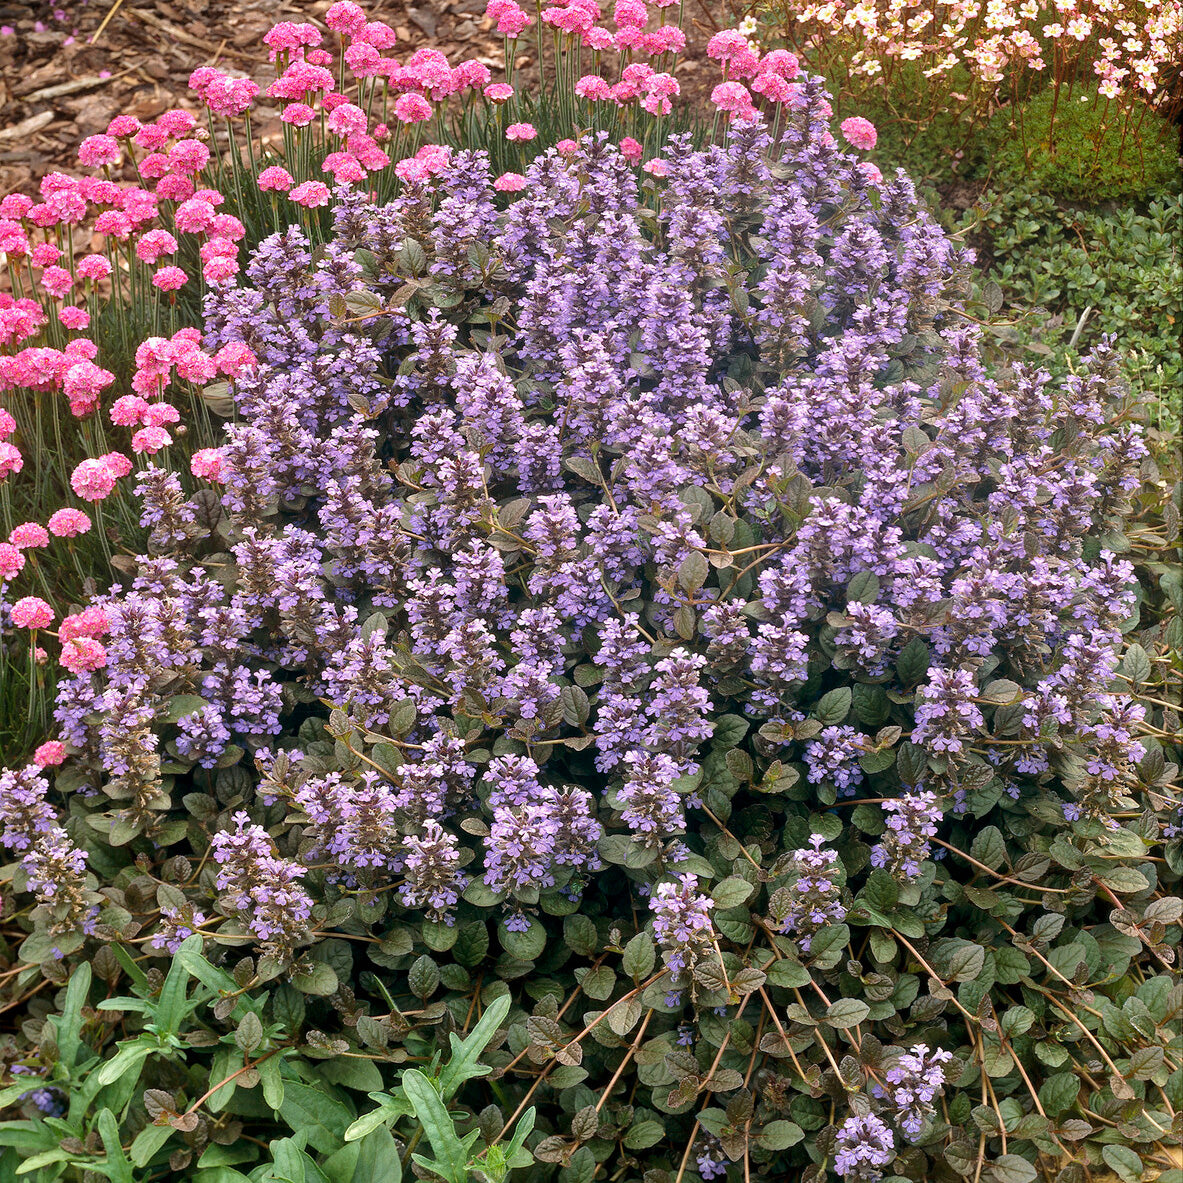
682, 925
261, 889
55, 871
834, 756
946, 713
812, 901
865, 1147
915, 1080
433, 878
24, 812
176, 925
651, 807
532, 568
710, 1160
912, 820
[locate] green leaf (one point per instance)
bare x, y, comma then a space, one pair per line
249, 1033
423, 977
847, 1012
732, 892
173, 1005
597, 983
693, 571
472, 943
463, 1065
780, 1135
525, 946
729, 731
352, 1072
580, 936
373, 1159
68, 1024
787, 973
863, 588
271, 1080
216, 979
1017, 1020
833, 707
312, 1111
320, 980
287, 1162
640, 954
965, 962
389, 1110
643, 1135
116, 1168
882, 892
989, 847
1136, 665
1001, 691
1125, 1163
1058, 1093
451, 1152
913, 661
147, 1142
1124, 879
131, 1054
1010, 1168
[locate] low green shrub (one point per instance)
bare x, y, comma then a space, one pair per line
1083, 148
1123, 269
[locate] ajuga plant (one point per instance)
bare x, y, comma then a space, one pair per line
172, 204
636, 601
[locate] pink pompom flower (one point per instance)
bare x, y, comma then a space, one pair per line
735, 99
57, 281
150, 440
169, 279
498, 92
207, 463
631, 149
68, 523
31, 612
50, 754
12, 561
521, 131
97, 151
75, 319
92, 480
297, 114
90, 622
510, 183
593, 88
29, 535
155, 244
82, 654
275, 179
117, 463
128, 410
859, 132
310, 194
346, 18
412, 108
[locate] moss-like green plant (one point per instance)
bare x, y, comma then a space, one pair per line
1083, 148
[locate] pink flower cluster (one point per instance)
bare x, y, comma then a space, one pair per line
770, 75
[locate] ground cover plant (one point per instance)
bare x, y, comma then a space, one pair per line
626, 640
172, 202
